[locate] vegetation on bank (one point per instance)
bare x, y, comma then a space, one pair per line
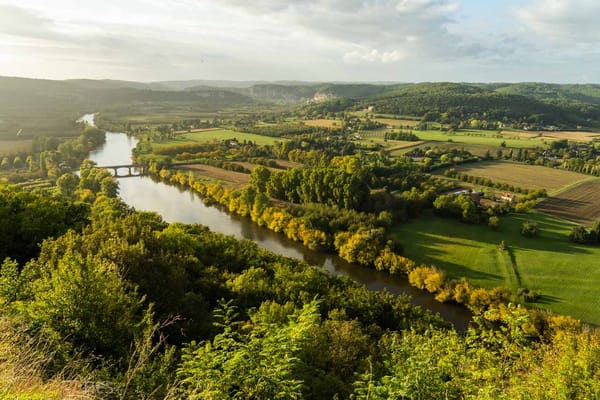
93, 315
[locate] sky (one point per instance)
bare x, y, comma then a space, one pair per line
308, 40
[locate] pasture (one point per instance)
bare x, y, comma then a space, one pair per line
218, 135
397, 123
578, 203
566, 274
523, 175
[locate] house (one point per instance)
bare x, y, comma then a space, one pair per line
509, 197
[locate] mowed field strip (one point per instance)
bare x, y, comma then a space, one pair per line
523, 175
579, 203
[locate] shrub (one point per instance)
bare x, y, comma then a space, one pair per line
530, 229
494, 223
579, 235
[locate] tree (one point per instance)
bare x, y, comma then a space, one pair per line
579, 235
85, 300
67, 184
259, 178
5, 163
261, 364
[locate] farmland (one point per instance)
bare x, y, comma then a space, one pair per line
523, 175
235, 179
548, 264
13, 146
578, 203
219, 134
323, 123
397, 123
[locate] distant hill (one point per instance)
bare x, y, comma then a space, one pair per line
514, 102
38, 106
302, 92
588, 93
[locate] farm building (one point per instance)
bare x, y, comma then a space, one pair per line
508, 197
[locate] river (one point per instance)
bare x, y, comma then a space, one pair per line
176, 205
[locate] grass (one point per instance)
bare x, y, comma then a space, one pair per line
220, 134
523, 175
578, 203
566, 274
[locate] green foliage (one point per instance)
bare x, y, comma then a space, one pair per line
26, 221
261, 363
328, 186
86, 300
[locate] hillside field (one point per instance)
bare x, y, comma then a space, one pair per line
578, 203
523, 175
564, 273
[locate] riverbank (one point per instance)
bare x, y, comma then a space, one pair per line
175, 204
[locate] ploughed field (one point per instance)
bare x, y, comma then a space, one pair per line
580, 203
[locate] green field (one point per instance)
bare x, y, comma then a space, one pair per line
566, 274
220, 134
477, 142
523, 175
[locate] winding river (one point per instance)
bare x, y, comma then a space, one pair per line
176, 205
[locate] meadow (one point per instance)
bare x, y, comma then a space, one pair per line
565, 274
523, 175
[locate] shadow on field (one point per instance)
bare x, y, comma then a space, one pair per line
547, 300
430, 253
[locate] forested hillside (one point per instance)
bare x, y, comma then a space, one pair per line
453, 102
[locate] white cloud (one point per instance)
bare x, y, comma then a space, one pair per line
372, 56
300, 39
563, 20
383, 30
